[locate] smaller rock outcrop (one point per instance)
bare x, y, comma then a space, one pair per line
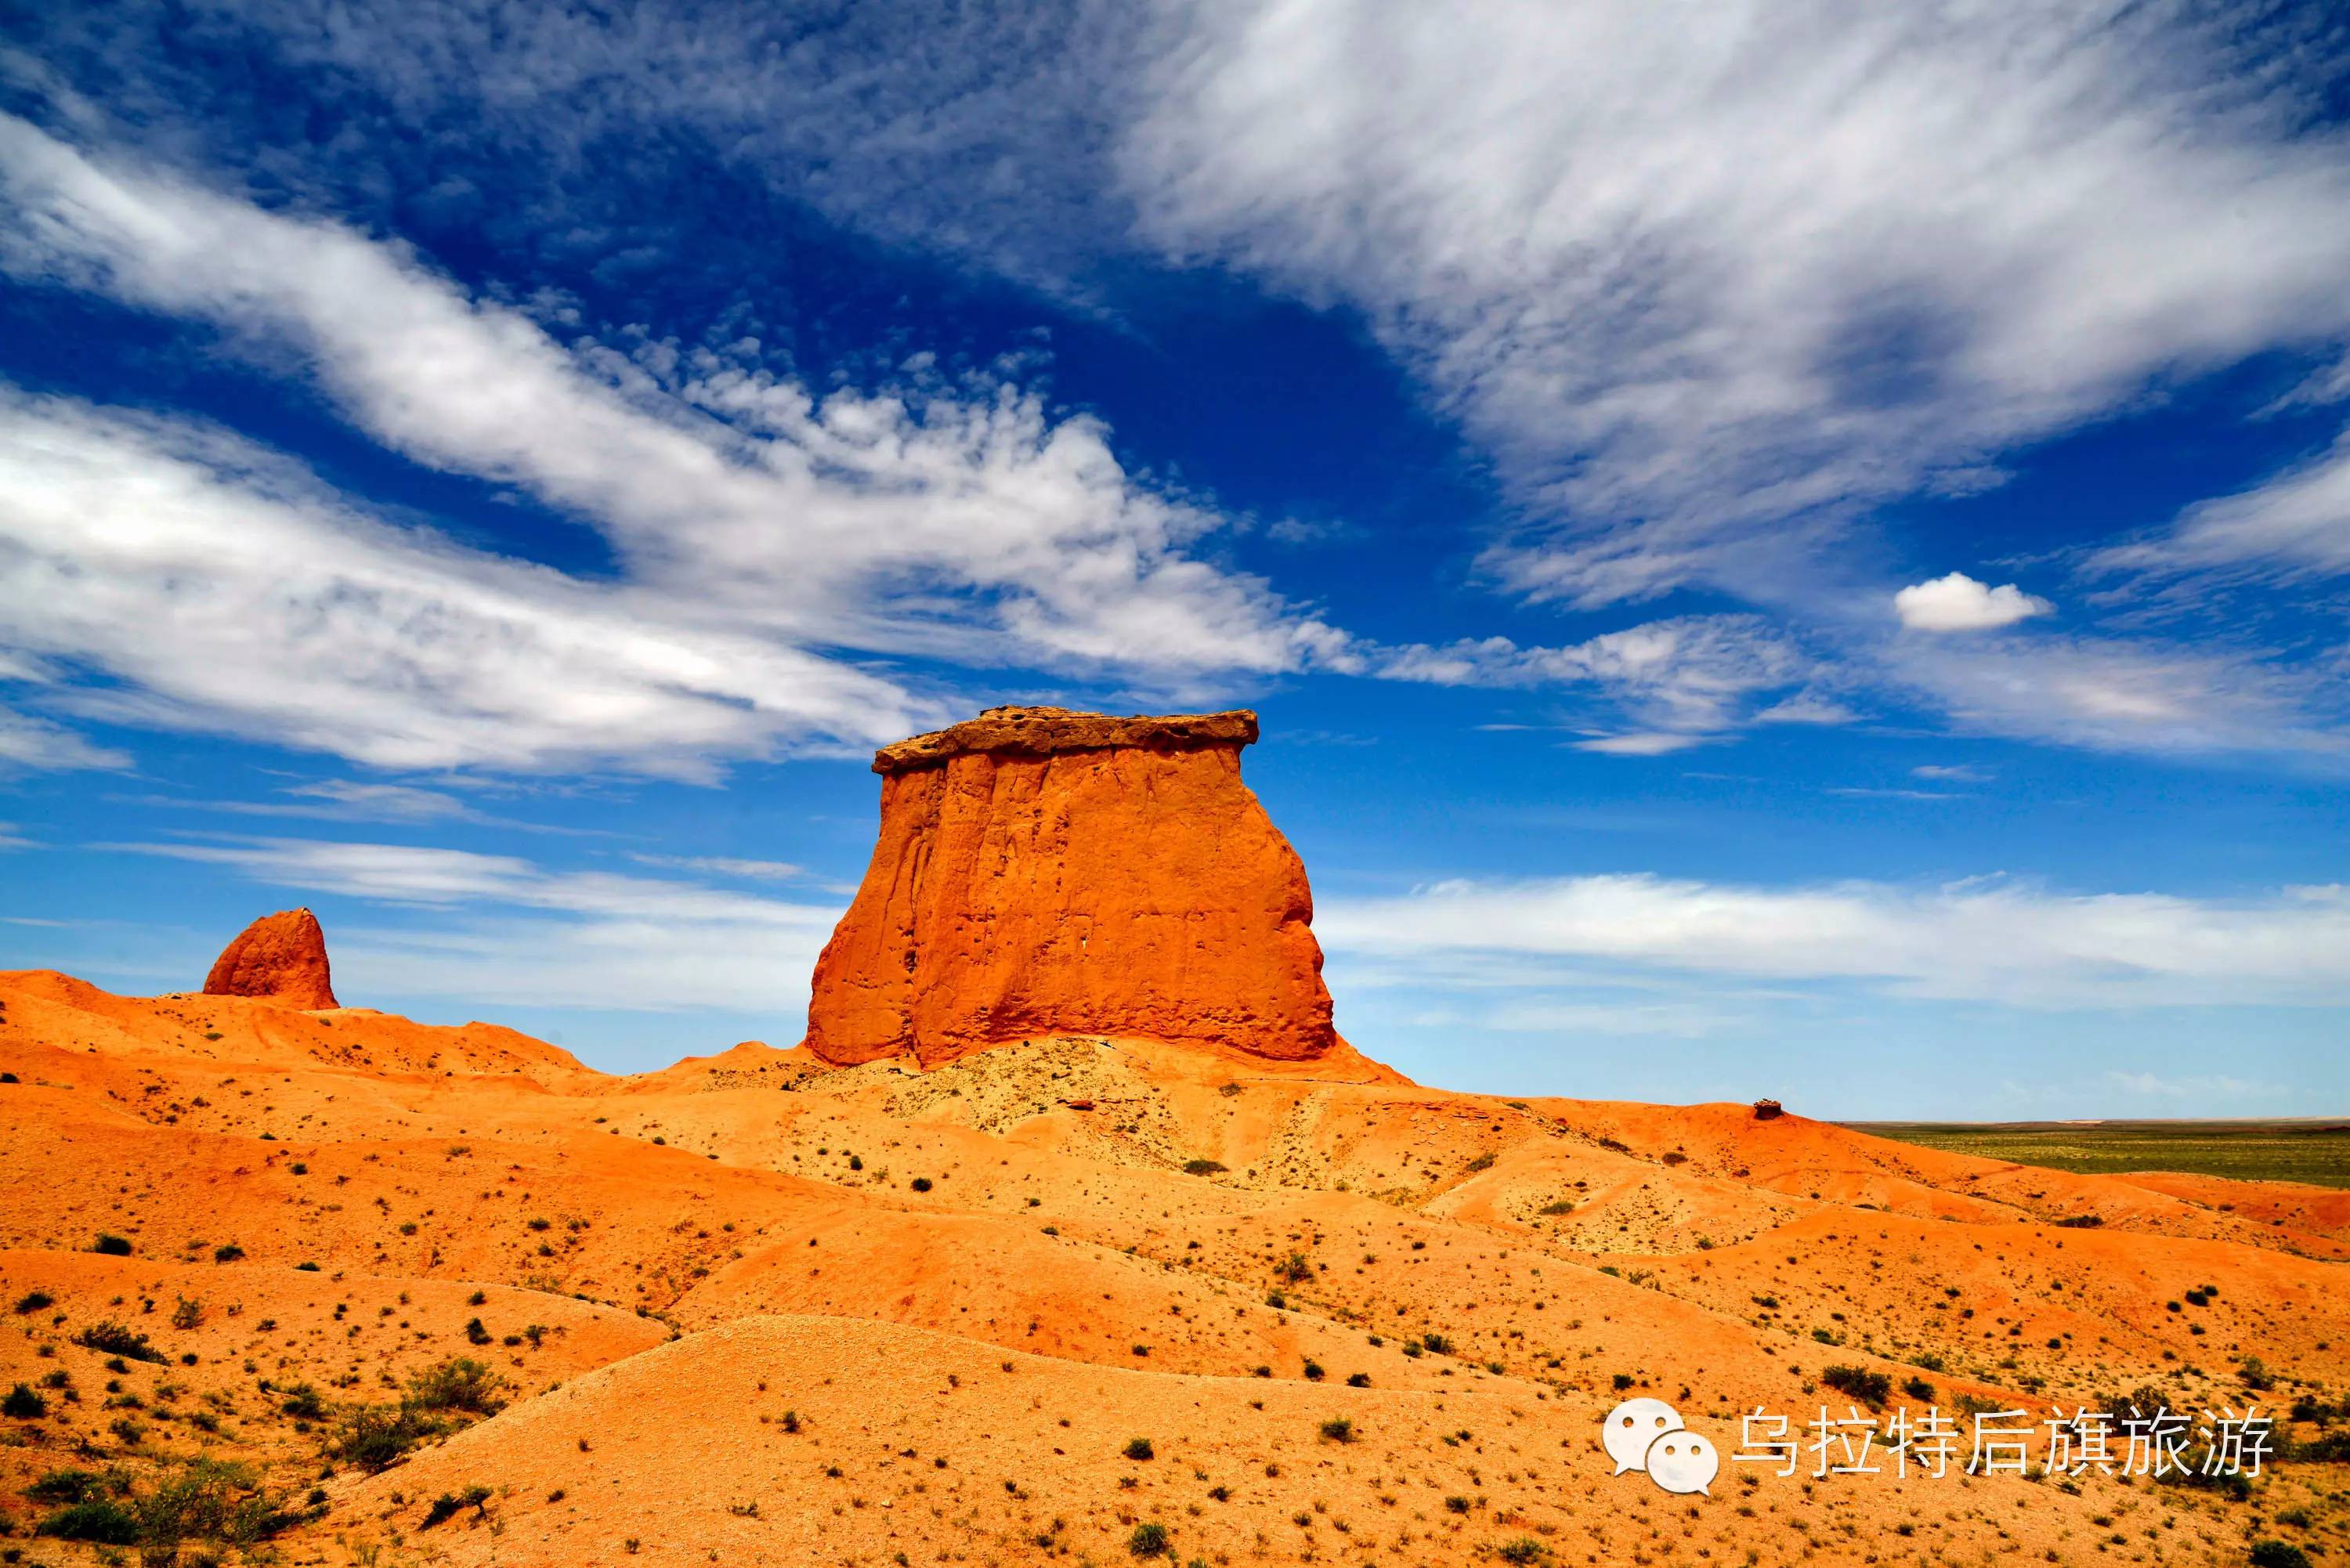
279, 958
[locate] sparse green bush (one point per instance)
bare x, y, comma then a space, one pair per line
1139, 1449
1148, 1540
110, 1338
1203, 1167
1522, 1549
460, 1383
920, 1184
1869, 1388
228, 1253
302, 1403
2278, 1554
99, 1519
34, 1301
111, 1245
1338, 1429
1482, 1162
376, 1437
74, 1486
448, 1503
23, 1403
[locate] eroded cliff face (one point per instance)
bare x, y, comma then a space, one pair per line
1044, 872
280, 957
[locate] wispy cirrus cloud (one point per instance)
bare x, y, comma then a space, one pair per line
2296, 523
1993, 940
1706, 281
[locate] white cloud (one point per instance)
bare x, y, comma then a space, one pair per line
763, 515
1703, 276
2109, 694
723, 865
1959, 603
1956, 773
29, 742
1988, 941
1639, 743
381, 801
1681, 680
223, 591
2296, 523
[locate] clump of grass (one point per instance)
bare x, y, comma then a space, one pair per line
110, 1338
1149, 1541
460, 1383
376, 1437
98, 1520
448, 1503
1869, 1388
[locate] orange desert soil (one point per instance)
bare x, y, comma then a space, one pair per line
661, 1267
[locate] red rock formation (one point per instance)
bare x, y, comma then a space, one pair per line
1044, 872
280, 957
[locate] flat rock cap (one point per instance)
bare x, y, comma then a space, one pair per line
1042, 732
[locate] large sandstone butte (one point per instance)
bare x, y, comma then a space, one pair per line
1045, 872
279, 958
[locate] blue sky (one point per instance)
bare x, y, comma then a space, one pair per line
1790, 550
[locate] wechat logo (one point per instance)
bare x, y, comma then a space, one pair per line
1648, 1435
